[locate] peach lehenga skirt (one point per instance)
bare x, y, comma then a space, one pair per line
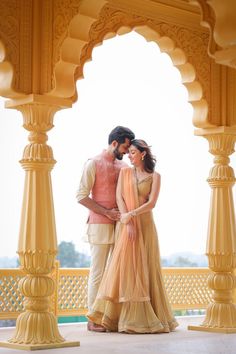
132, 296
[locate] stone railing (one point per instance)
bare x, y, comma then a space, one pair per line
186, 289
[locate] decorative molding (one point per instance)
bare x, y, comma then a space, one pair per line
208, 21
46, 46
221, 145
26, 33
206, 89
170, 11
70, 50
38, 261
111, 20
220, 17
194, 46
10, 38
38, 117
24, 76
192, 43
64, 11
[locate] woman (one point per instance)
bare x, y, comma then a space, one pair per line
132, 297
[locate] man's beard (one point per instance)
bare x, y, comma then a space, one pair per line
117, 154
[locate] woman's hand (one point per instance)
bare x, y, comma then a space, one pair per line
131, 230
125, 218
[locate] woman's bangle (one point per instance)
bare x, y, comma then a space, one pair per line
133, 213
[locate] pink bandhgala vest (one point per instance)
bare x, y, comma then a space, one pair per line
104, 189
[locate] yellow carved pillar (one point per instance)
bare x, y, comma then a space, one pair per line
36, 327
221, 242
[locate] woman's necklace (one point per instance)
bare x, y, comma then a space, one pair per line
141, 175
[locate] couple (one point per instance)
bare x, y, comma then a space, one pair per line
125, 290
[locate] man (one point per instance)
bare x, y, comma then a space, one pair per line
99, 179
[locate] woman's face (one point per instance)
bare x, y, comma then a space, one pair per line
135, 156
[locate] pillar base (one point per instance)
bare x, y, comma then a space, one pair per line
212, 329
39, 346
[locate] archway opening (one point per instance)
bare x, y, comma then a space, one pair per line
129, 82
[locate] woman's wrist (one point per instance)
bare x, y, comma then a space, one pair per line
133, 212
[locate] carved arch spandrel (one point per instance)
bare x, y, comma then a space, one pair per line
67, 52
187, 50
15, 37
9, 47
208, 21
6, 73
220, 17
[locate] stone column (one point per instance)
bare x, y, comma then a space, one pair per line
221, 242
36, 327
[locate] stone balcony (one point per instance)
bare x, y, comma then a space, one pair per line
187, 290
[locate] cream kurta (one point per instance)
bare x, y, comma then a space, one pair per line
100, 236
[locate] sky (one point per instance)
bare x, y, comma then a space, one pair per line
128, 82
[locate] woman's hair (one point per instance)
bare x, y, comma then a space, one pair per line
149, 160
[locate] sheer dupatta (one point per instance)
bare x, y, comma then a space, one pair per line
126, 277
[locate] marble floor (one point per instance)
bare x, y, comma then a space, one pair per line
182, 341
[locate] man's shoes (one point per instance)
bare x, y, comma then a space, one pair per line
95, 327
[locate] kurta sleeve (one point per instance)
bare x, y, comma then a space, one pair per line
87, 180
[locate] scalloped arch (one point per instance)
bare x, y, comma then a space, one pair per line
73, 46
77, 48
187, 72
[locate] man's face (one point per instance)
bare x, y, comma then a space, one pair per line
121, 149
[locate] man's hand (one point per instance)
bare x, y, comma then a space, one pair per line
113, 214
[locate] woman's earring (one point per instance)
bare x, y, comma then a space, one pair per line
142, 158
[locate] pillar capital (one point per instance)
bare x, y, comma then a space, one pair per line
39, 99
221, 141
38, 110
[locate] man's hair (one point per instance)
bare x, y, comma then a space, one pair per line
119, 134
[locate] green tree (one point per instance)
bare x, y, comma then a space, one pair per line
184, 262
69, 257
